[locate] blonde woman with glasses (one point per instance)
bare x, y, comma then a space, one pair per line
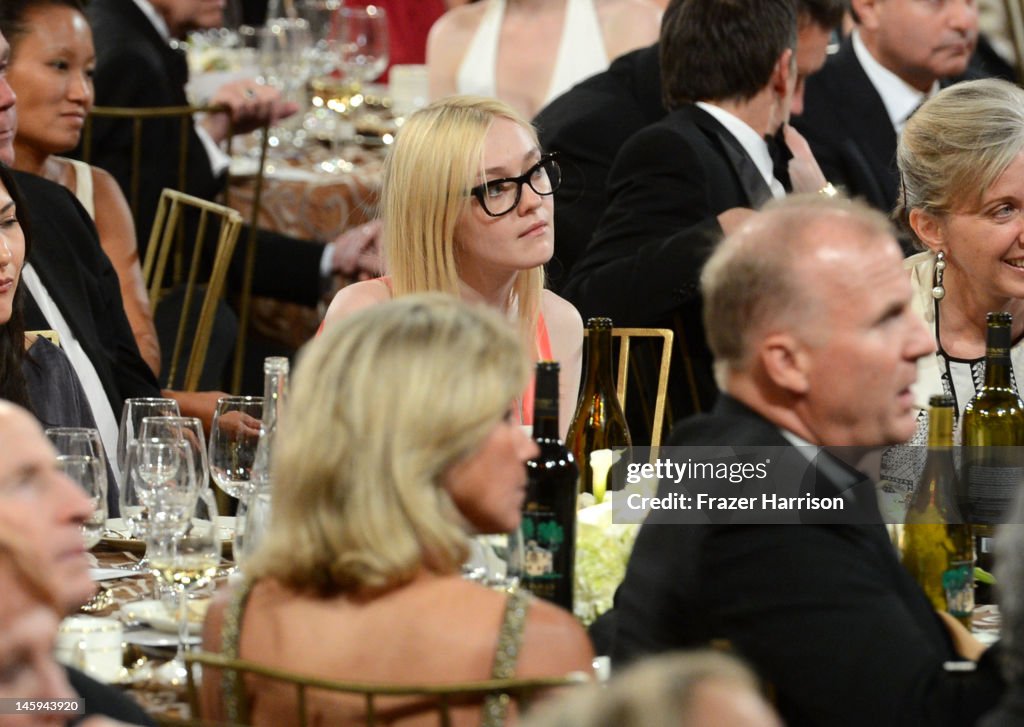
467, 210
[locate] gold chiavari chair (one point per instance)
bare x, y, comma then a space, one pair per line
443, 697
164, 272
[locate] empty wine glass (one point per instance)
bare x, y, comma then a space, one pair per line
184, 430
90, 473
134, 411
184, 556
85, 442
251, 525
234, 435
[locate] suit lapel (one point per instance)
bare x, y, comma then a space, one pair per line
750, 179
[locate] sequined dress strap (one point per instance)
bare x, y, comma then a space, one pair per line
231, 635
510, 639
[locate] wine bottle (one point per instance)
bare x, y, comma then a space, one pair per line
549, 510
938, 546
598, 434
993, 426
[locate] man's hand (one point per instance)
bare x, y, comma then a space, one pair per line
357, 252
731, 219
804, 173
251, 105
200, 404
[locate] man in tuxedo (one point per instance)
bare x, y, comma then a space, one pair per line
137, 67
730, 75
897, 56
808, 313
588, 124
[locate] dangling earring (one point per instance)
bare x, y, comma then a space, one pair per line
938, 292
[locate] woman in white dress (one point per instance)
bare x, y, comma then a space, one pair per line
527, 52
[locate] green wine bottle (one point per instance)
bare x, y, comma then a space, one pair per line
938, 546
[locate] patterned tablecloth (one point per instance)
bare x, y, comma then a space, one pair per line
308, 204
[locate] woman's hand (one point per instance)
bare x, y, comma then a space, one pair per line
964, 643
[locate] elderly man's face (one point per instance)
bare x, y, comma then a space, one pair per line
8, 118
862, 346
920, 40
47, 507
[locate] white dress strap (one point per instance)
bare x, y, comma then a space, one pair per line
478, 70
581, 53
83, 184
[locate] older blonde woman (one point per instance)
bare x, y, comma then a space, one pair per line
399, 438
961, 160
468, 210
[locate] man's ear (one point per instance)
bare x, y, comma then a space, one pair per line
786, 362
928, 228
783, 70
867, 13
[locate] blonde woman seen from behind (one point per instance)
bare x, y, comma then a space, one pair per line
399, 439
467, 210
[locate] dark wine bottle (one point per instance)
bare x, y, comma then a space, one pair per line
599, 423
938, 546
549, 511
993, 427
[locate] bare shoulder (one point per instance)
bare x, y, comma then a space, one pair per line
628, 24
355, 297
554, 643
451, 32
561, 318
107, 193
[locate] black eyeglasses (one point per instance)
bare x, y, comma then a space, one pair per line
500, 196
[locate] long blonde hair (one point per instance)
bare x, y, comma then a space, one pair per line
380, 408
436, 159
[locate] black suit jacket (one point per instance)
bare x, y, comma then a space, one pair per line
587, 125
849, 130
135, 67
642, 268
825, 613
78, 275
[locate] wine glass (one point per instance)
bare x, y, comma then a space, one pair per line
90, 473
234, 435
134, 411
184, 554
251, 525
184, 430
357, 49
85, 442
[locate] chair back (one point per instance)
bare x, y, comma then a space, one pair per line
177, 259
142, 123
443, 696
630, 371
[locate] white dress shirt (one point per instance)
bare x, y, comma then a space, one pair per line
753, 144
899, 97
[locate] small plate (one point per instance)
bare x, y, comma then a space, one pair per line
161, 618
116, 535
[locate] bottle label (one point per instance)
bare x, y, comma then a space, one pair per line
958, 583
991, 491
544, 540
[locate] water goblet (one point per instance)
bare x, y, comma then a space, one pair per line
187, 431
86, 442
234, 436
90, 474
134, 411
